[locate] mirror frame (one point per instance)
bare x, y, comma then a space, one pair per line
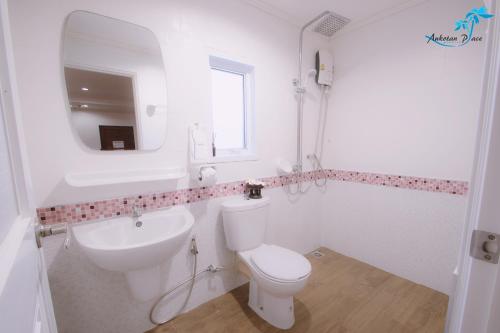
73, 130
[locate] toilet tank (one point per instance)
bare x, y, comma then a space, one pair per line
245, 222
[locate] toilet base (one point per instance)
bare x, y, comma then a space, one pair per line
276, 310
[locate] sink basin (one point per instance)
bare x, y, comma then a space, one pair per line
119, 245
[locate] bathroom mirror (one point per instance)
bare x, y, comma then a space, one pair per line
115, 82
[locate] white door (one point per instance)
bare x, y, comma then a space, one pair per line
476, 308
25, 303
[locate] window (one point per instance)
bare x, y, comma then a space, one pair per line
232, 109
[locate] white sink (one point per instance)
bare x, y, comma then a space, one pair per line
119, 245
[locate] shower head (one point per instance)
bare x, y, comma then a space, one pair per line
330, 24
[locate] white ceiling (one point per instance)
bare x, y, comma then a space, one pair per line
105, 92
301, 11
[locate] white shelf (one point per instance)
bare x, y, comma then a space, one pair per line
123, 176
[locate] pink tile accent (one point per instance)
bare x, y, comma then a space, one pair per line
102, 209
408, 182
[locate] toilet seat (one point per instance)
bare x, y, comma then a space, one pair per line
279, 264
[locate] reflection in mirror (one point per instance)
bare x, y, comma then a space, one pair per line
115, 82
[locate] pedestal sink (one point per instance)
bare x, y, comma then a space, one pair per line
120, 244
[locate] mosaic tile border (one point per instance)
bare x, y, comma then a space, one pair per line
103, 209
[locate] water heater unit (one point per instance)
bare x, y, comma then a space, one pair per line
324, 68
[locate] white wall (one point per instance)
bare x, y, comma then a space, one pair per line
401, 106
188, 33
87, 123
413, 234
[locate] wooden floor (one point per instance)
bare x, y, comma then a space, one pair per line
343, 295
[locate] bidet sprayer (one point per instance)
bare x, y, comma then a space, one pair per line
194, 247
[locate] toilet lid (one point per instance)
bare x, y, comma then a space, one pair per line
280, 263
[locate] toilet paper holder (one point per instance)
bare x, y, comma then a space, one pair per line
200, 173
198, 170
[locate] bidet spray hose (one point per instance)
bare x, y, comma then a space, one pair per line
211, 268
194, 247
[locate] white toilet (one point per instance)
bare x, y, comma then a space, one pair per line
276, 273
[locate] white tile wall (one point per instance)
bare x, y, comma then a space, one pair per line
413, 234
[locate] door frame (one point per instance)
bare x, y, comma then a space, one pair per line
13, 121
113, 71
489, 104
22, 229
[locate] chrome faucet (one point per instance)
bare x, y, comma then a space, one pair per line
136, 211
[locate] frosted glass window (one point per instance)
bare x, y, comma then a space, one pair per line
228, 105
232, 110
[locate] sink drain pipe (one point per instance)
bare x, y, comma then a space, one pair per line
192, 279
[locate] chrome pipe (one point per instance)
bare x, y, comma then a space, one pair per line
301, 90
42, 231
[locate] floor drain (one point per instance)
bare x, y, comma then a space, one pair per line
318, 254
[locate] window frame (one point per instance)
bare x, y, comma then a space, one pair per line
247, 153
